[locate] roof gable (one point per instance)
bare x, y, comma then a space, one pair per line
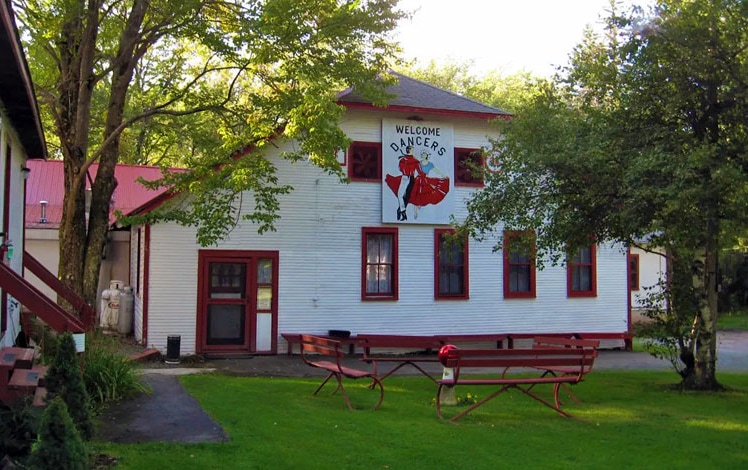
414, 95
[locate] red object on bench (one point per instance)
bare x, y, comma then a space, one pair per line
577, 361
418, 349
313, 351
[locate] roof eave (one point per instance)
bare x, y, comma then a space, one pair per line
422, 110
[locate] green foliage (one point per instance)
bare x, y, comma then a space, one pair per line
64, 379
643, 136
108, 375
60, 446
18, 428
204, 79
509, 93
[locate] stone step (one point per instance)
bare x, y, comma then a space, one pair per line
16, 358
26, 380
40, 396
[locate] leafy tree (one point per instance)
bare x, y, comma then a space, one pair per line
60, 446
64, 379
507, 92
189, 82
643, 134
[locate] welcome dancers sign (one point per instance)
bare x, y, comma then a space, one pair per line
417, 172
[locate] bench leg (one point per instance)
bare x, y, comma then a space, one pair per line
471, 407
401, 364
339, 379
556, 405
567, 389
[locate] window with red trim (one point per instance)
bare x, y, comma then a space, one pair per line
379, 264
519, 266
450, 266
633, 271
365, 161
582, 273
468, 164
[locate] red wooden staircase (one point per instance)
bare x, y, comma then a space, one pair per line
20, 377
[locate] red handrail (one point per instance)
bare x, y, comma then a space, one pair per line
33, 299
87, 313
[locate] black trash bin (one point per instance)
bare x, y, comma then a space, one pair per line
172, 349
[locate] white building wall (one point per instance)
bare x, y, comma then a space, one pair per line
14, 233
652, 270
319, 241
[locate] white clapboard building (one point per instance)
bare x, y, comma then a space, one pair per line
369, 256
21, 139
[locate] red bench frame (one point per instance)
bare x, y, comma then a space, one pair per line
418, 348
314, 350
576, 361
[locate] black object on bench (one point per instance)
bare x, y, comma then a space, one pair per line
314, 350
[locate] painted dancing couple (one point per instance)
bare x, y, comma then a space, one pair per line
414, 185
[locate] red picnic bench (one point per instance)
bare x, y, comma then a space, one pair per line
559, 365
402, 350
315, 350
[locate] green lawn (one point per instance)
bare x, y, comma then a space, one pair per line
733, 320
628, 419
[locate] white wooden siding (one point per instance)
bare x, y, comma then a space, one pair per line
8, 139
319, 242
652, 270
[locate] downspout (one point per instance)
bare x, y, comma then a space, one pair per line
146, 275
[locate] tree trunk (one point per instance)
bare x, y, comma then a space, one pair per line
82, 241
703, 375
73, 114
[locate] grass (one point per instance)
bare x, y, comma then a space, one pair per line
631, 419
737, 320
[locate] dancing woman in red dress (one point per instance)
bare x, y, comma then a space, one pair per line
414, 186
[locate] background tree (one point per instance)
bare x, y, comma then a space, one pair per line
644, 134
151, 79
507, 92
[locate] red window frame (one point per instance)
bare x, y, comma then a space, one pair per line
359, 157
573, 267
366, 232
463, 174
633, 271
439, 267
510, 263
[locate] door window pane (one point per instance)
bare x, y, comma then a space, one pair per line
225, 324
228, 280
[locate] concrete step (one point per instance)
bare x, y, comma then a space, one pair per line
40, 396
27, 380
17, 358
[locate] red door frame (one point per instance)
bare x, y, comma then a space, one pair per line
205, 257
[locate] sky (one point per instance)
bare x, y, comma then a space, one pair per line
498, 35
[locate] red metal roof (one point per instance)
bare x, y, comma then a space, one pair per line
46, 183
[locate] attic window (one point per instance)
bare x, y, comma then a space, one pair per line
365, 161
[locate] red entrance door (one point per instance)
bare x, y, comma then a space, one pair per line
238, 298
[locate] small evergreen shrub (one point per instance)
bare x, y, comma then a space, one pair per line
19, 423
60, 446
64, 379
